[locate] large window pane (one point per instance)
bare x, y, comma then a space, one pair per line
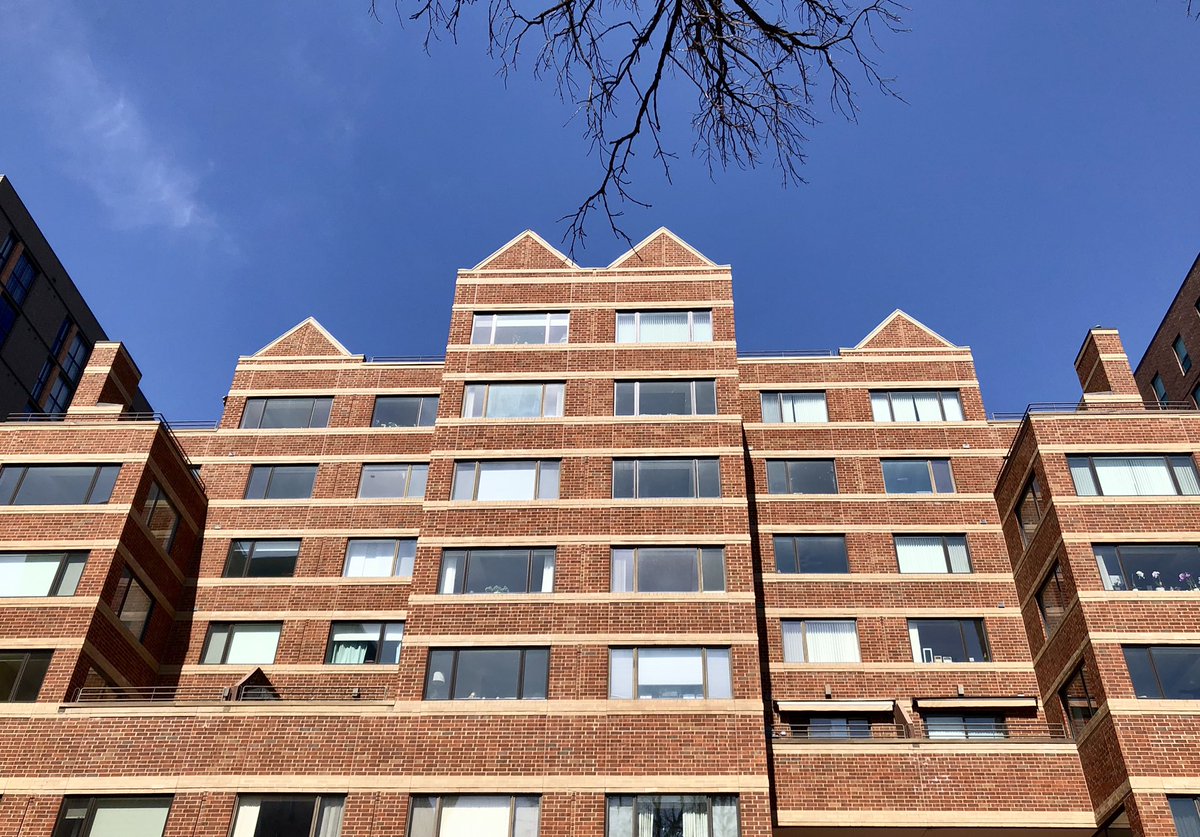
948, 640
522, 328
665, 398
932, 554
487, 674
57, 485
1166, 672
916, 405
133, 604
1149, 566
113, 816
380, 558
262, 559
820, 641
287, 815
277, 413
917, 476
506, 480
497, 571
21, 674
794, 407
1079, 699
405, 411
669, 673
40, 573
356, 643
1133, 475
241, 643
671, 816
512, 400
392, 481
666, 478
811, 554
281, 482
474, 816
801, 476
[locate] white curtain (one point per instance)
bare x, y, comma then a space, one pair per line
804, 407
645, 816
1130, 476
350, 642
720, 679
475, 816
515, 401
702, 326
1186, 475
725, 816
921, 554
552, 404
904, 407
663, 327
880, 408
670, 668
952, 406
451, 568
622, 570
960, 561
27, 575
252, 645
1081, 474
928, 406
247, 818
130, 818
793, 641
506, 480
329, 823
695, 817
370, 559
626, 328
548, 575
832, 641
914, 637
620, 673
620, 816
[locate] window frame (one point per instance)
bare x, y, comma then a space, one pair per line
694, 477
1125, 580
808, 661
636, 828
491, 327
984, 644
637, 396
88, 498
485, 401
930, 470
796, 540
318, 799
478, 469
154, 498
787, 473
1182, 357
61, 824
384, 625
273, 468
941, 398
1057, 578
1092, 707
254, 542
1171, 461
1033, 492
635, 682
637, 326
257, 407
777, 396
65, 559
427, 403
397, 557
409, 470
452, 681
635, 564
945, 539
438, 805
231, 629
994, 726
125, 586
1159, 388
27, 656
548, 557
1148, 650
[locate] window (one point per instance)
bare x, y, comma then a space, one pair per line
509, 329
1079, 699
670, 569
488, 674
794, 407
666, 478
21, 675
1133, 475
948, 640
1052, 598
1031, 509
1184, 812
1181, 354
357, 643
932, 553
405, 411
513, 400
281, 482
40, 573
801, 476
495, 480
8, 318
262, 559
665, 398
393, 481
820, 641
1164, 672
113, 816
831, 726
917, 476
1149, 566
20, 280
57, 485
672, 816
380, 558
497, 571
1160, 389
986, 727
811, 554
133, 604
916, 405
664, 327
61, 372
473, 816
241, 643
1195, 400
160, 517
669, 674
278, 413
74, 359
278, 815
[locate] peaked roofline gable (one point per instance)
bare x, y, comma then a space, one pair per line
307, 321
902, 315
526, 235
660, 232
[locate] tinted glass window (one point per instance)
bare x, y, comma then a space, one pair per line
668, 570
281, 482
948, 640
22, 673
262, 559
487, 673
57, 485
405, 411
1149, 566
811, 554
1167, 672
280, 413
801, 476
917, 476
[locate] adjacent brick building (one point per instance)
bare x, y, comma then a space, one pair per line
595, 574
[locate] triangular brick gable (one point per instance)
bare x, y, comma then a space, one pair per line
900, 331
306, 339
662, 248
528, 251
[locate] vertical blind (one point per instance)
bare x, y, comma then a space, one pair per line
820, 641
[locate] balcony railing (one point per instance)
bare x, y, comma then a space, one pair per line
208, 693
1096, 408
1021, 730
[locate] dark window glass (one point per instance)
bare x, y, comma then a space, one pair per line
811, 554
497, 571
279, 413
487, 673
917, 476
1031, 509
801, 476
288, 816
668, 570
57, 485
262, 559
1160, 389
1184, 812
1052, 598
1079, 699
672, 816
666, 478
831, 726
281, 482
948, 640
1167, 672
1149, 566
21, 674
21, 279
110, 816
160, 517
405, 411
8, 318
133, 604
1181, 354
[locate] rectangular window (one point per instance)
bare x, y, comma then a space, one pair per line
241, 643
975, 727
948, 640
74, 359
160, 517
513, 400
276, 815
1185, 814
1126, 476
669, 674
280, 413
666, 478
380, 558
8, 318
1031, 509
1079, 699
824, 726
133, 604
794, 407
801, 476
393, 481
40, 573
1052, 598
917, 476
1149, 566
665, 398
664, 327
498, 480
262, 559
281, 482
916, 405
672, 816
57, 485
811, 554
525, 328
21, 675
1181, 354
487, 674
473, 816
1160, 389
405, 411
668, 569
359, 643
113, 816
20, 280
932, 553
497, 571
1164, 672
820, 641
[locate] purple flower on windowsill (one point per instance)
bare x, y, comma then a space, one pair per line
1186, 581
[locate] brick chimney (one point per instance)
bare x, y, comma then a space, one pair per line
109, 382
1103, 369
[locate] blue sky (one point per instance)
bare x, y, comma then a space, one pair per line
211, 174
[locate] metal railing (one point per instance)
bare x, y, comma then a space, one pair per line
786, 353
209, 693
1011, 730
415, 359
1070, 407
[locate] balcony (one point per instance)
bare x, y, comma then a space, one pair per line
1009, 731
246, 692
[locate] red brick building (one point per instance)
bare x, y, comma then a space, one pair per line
595, 574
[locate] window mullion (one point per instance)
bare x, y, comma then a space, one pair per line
1095, 476
521, 674
704, 672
